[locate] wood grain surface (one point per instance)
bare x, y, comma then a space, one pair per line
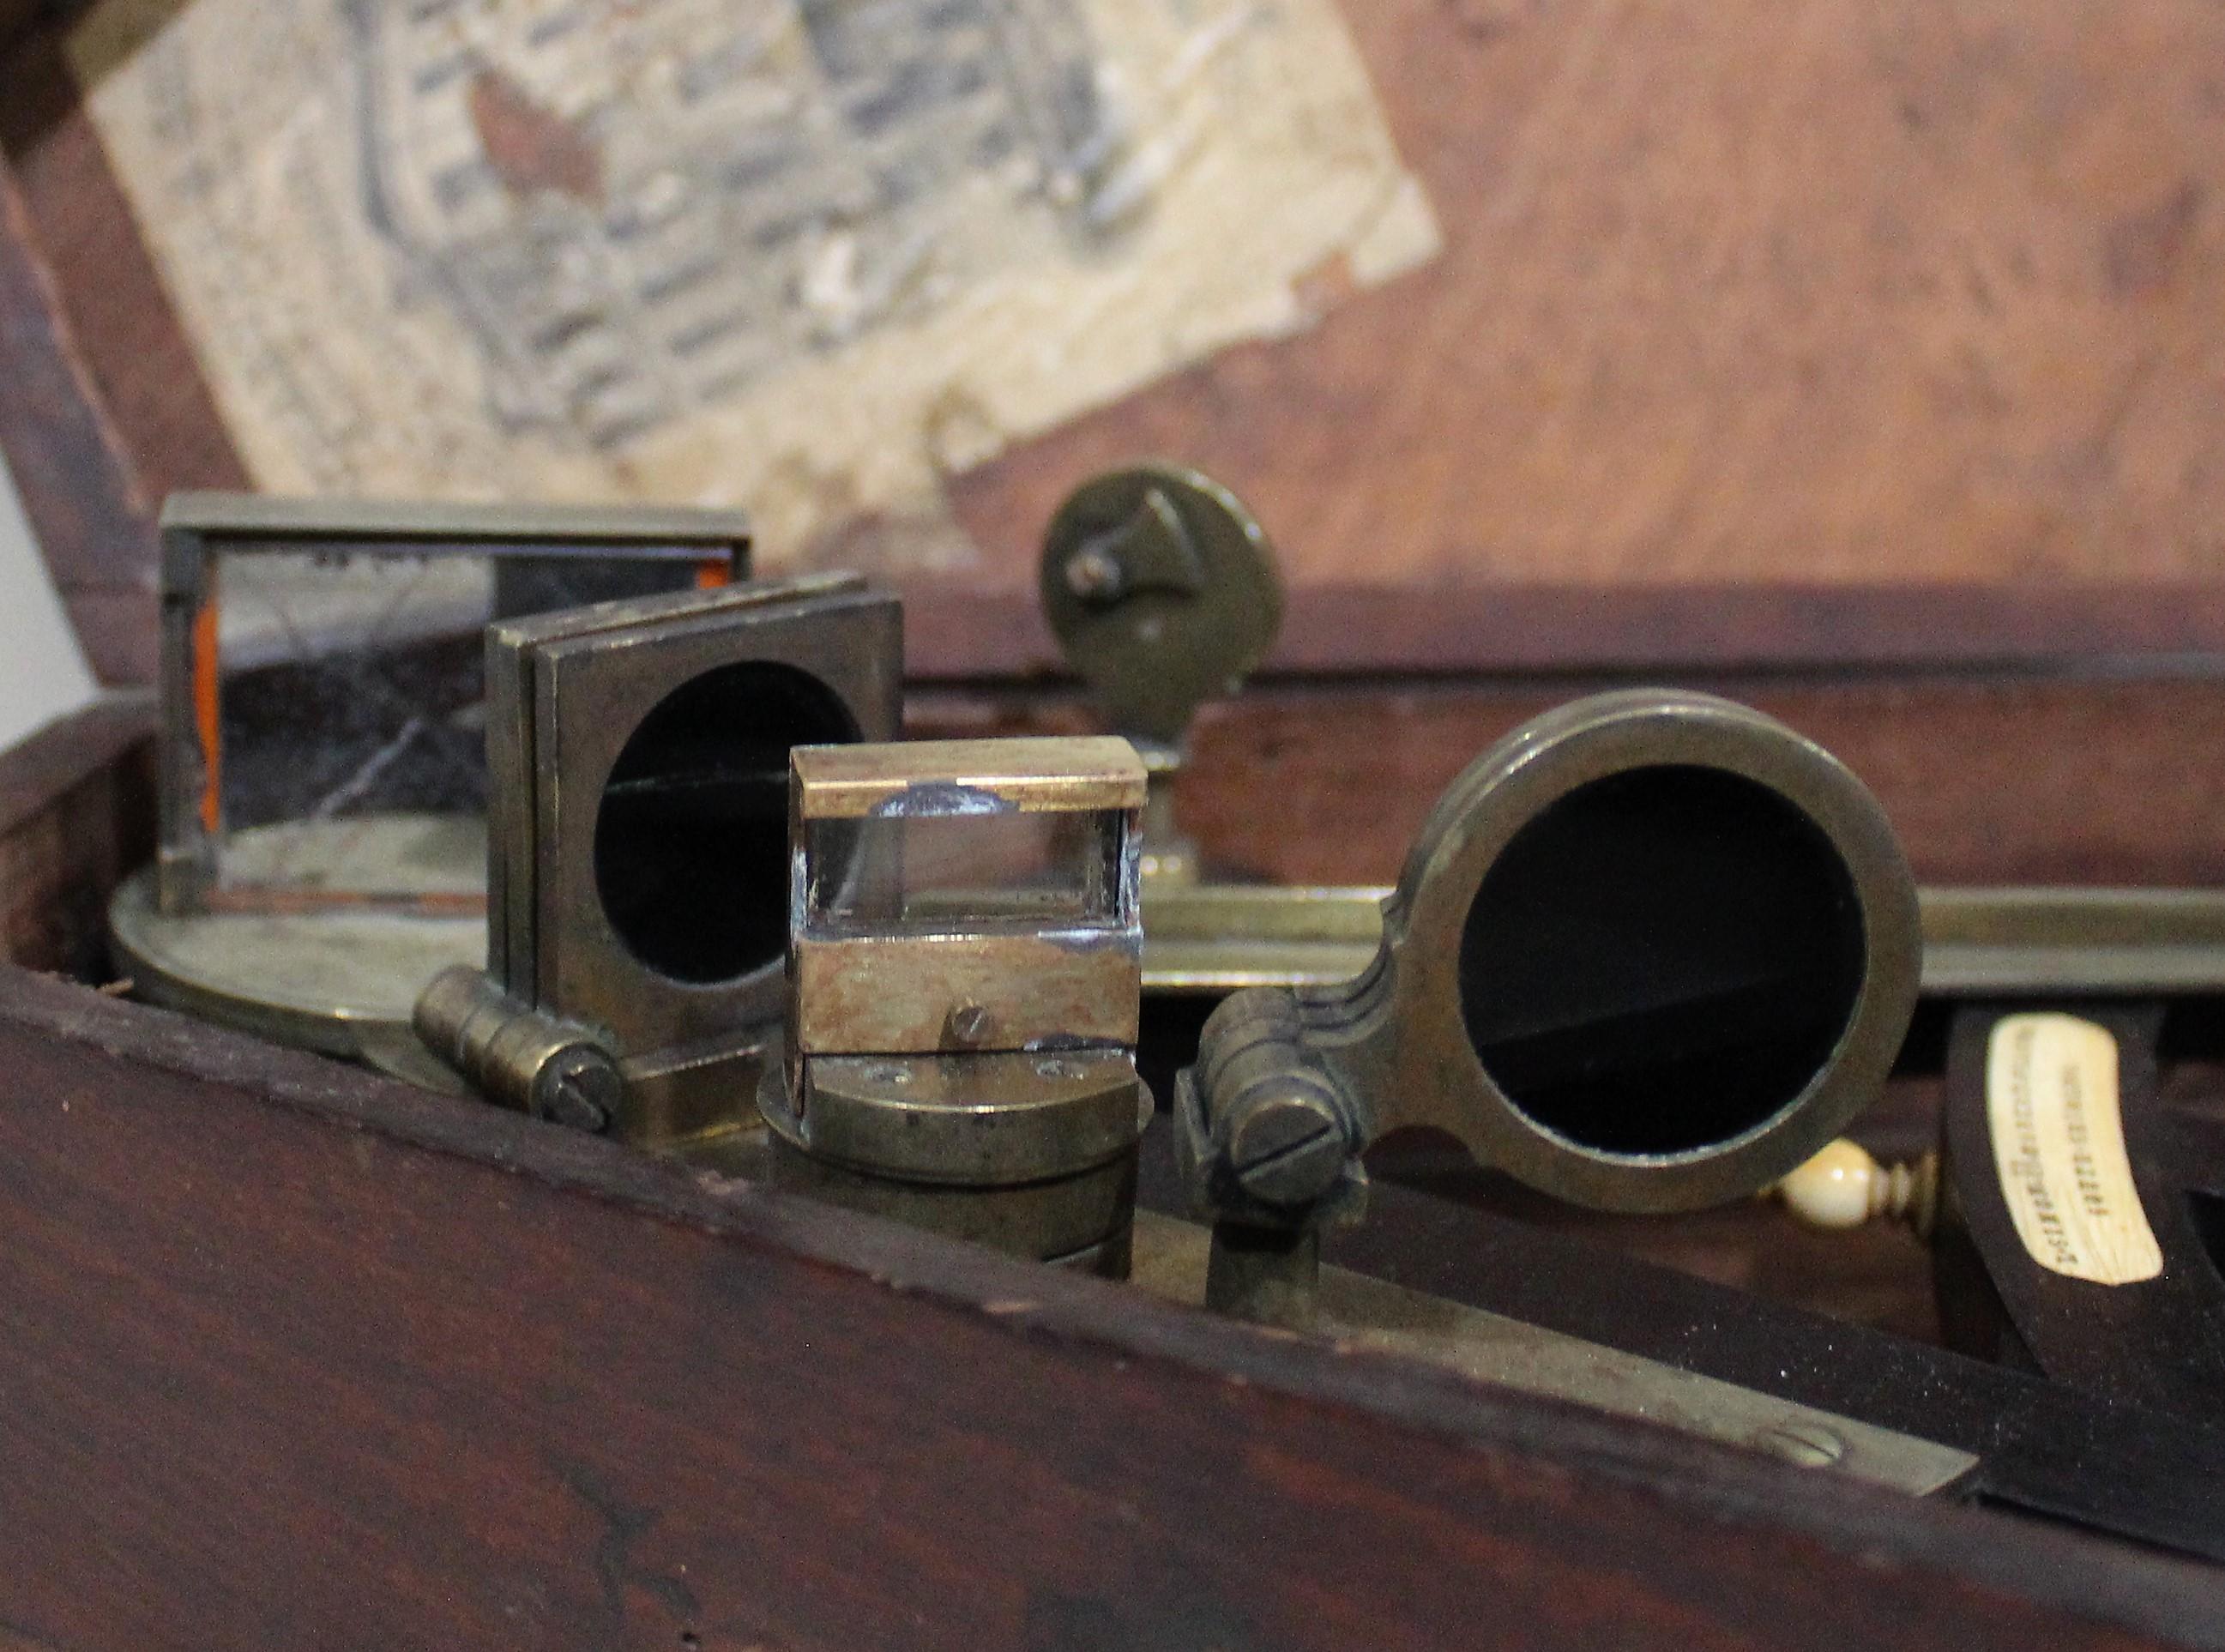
1761, 334
77, 813
80, 496
297, 1356
958, 627
1810, 291
2008, 777
111, 295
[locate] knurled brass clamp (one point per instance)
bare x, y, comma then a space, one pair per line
517, 1056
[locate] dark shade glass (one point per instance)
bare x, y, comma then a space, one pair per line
1661, 961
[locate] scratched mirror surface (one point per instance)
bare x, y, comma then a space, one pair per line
347, 694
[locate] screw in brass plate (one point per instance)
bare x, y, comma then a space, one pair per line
969, 1024
1809, 1444
579, 1089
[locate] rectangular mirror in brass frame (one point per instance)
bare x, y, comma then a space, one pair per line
321, 666
323, 785
965, 971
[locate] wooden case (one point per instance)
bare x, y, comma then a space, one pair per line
298, 1354
1855, 363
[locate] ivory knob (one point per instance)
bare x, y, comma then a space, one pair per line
1843, 1187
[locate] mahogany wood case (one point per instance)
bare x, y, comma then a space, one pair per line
1858, 362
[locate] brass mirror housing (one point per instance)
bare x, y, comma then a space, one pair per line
321, 803
637, 848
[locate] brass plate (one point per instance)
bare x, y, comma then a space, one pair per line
1358, 1312
1977, 942
337, 979
342, 982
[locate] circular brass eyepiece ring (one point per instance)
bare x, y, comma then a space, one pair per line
1409, 1034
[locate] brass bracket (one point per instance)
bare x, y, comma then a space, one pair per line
637, 848
1648, 953
964, 975
1162, 589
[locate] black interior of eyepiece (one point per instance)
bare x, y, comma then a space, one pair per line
691, 837
1661, 960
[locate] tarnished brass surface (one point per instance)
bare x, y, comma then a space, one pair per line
1163, 591
1980, 942
1069, 774
1355, 1311
336, 979
1080, 1221
898, 993
566, 695
1218, 938
1289, 1084
638, 865
689, 1095
964, 999
984, 1120
326, 980
518, 1056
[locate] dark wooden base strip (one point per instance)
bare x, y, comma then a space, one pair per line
296, 1355
77, 811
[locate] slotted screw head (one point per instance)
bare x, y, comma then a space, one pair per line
580, 1088
970, 1024
1286, 1146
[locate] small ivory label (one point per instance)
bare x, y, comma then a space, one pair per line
2059, 1149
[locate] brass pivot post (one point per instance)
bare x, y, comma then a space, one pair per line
1267, 1140
1162, 589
